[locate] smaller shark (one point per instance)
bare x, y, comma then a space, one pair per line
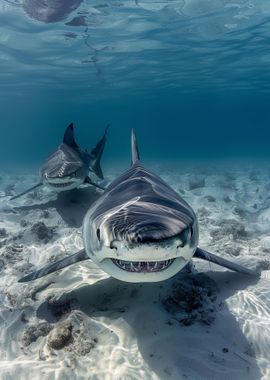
68, 167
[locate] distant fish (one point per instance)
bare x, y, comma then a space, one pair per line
139, 230
50, 10
68, 167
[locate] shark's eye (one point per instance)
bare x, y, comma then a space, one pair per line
98, 234
181, 245
113, 246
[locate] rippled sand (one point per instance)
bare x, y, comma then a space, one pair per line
79, 323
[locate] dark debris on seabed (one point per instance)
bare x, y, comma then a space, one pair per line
191, 299
43, 232
68, 333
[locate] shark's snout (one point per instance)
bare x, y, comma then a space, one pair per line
147, 223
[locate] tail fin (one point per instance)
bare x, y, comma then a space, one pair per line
97, 152
69, 137
134, 148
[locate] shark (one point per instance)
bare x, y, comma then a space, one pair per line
68, 166
140, 230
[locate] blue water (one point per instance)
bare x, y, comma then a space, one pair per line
192, 76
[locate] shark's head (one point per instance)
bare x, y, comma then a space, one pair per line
67, 167
62, 179
140, 241
64, 169
140, 230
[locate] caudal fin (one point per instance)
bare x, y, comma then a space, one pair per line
27, 191
50, 268
96, 154
135, 155
202, 254
69, 137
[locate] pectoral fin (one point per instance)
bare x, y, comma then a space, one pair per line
90, 182
202, 254
79, 256
27, 191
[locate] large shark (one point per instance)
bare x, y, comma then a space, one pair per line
139, 230
68, 167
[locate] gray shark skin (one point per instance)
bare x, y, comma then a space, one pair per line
140, 230
68, 167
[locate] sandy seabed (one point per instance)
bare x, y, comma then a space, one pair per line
79, 323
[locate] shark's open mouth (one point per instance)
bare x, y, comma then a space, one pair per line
63, 184
143, 266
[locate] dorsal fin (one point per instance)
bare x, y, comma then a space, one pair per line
69, 137
134, 148
96, 154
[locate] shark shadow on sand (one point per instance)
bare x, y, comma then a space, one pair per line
71, 206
